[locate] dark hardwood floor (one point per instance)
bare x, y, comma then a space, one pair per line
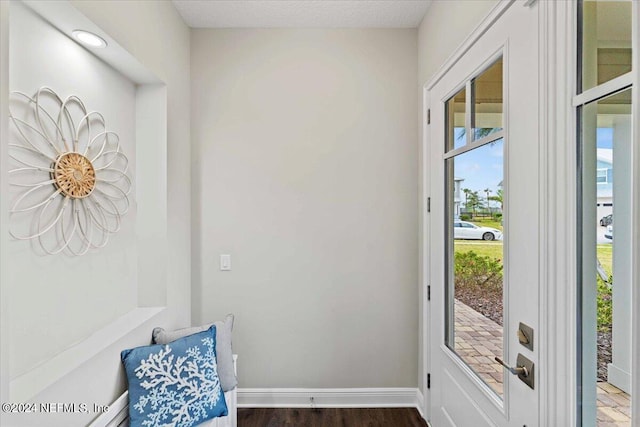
330, 417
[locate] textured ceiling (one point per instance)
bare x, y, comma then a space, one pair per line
302, 13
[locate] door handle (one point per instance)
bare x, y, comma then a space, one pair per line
518, 370
525, 369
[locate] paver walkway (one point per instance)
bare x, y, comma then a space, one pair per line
478, 340
614, 406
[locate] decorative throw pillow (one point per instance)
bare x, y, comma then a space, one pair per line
174, 384
223, 347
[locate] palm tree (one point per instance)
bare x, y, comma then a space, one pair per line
498, 198
487, 192
472, 201
466, 192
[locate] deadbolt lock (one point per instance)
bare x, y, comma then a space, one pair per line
525, 335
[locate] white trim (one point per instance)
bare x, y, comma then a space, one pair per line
494, 14
328, 397
420, 404
505, 404
612, 86
558, 305
477, 72
475, 144
426, 255
29, 384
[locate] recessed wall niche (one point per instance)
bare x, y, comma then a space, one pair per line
61, 305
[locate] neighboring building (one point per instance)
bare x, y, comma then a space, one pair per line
457, 198
604, 180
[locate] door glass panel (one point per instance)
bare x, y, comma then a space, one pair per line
606, 281
475, 261
605, 41
456, 113
486, 104
473, 245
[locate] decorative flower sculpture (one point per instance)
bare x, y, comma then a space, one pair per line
71, 174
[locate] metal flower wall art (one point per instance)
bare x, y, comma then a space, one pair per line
70, 175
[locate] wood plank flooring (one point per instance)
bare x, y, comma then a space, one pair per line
330, 417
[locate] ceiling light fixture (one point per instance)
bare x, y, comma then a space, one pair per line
89, 39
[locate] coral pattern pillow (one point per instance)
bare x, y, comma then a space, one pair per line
175, 384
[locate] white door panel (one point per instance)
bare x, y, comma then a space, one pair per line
462, 411
458, 395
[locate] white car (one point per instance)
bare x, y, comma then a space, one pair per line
609, 233
467, 230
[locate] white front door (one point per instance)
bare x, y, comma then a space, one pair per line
484, 134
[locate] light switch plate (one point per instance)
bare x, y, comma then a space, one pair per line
225, 262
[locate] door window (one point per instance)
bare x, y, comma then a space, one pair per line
486, 102
474, 178
456, 117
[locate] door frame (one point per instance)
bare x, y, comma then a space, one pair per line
557, 337
501, 38
427, 341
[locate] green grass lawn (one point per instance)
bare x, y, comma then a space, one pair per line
482, 248
605, 255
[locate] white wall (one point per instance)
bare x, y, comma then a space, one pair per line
305, 155
5, 325
60, 300
443, 29
155, 34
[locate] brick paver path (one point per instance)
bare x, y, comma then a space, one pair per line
614, 407
478, 340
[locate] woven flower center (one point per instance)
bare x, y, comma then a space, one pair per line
74, 175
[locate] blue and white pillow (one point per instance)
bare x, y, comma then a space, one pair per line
175, 384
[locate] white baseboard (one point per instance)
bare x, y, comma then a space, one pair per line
330, 398
420, 403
